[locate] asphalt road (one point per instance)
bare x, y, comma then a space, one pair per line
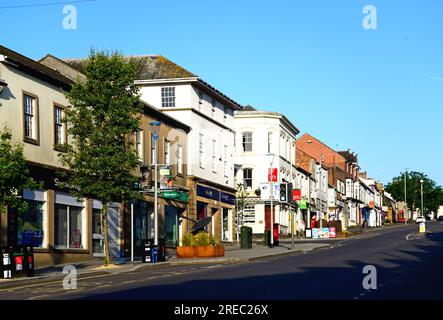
408, 267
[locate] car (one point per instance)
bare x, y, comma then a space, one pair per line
420, 220
440, 218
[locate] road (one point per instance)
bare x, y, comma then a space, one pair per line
407, 268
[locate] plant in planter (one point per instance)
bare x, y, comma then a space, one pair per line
200, 245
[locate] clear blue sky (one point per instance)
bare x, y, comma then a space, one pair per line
378, 92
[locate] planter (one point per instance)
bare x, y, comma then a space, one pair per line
200, 252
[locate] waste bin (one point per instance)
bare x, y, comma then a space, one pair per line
147, 251
154, 254
18, 261
268, 238
29, 261
276, 234
5, 263
246, 238
161, 249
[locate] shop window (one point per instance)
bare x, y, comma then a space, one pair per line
68, 226
30, 225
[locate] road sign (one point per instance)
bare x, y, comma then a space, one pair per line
272, 173
296, 195
265, 191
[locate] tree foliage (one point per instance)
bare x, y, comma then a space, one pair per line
102, 119
14, 174
432, 194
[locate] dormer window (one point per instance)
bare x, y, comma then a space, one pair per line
168, 97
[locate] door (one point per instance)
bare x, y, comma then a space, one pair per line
98, 248
225, 224
171, 226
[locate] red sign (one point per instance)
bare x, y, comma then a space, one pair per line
332, 233
296, 195
273, 174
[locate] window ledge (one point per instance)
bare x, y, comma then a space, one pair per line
31, 141
71, 250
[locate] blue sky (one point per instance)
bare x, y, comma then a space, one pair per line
378, 92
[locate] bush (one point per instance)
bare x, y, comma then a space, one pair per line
200, 239
187, 239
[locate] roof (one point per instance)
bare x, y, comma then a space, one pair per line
157, 67
252, 112
35, 68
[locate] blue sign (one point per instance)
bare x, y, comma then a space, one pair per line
228, 198
209, 193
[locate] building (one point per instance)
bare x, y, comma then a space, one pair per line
259, 133
31, 105
182, 95
171, 153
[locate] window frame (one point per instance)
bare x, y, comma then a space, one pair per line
245, 143
201, 154
139, 145
36, 127
245, 179
179, 159
166, 96
59, 146
83, 246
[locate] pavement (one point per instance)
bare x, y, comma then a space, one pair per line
233, 254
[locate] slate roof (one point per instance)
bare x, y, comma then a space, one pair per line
35, 68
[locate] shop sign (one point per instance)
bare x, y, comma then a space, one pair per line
303, 204
296, 195
209, 193
272, 175
227, 198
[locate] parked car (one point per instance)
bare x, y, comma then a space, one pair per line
420, 220
440, 218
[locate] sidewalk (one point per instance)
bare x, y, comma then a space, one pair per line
91, 268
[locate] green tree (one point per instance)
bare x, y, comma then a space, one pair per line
14, 175
432, 194
241, 195
102, 119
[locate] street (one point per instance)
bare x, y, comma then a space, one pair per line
406, 269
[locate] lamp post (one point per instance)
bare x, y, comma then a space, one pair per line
271, 162
421, 182
320, 192
404, 211
155, 128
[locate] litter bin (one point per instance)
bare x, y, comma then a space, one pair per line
268, 238
246, 238
5, 263
29, 261
147, 251
276, 234
161, 249
154, 254
18, 257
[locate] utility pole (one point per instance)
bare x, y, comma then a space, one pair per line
404, 211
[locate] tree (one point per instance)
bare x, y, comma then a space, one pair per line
241, 196
432, 194
14, 174
102, 119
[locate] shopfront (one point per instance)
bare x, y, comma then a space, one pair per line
114, 229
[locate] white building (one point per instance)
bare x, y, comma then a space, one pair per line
259, 133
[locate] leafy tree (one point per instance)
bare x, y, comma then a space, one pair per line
241, 195
14, 174
432, 194
103, 118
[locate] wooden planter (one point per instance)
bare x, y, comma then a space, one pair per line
200, 252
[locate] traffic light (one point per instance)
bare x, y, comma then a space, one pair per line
283, 193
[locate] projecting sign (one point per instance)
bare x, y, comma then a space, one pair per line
272, 173
296, 195
265, 191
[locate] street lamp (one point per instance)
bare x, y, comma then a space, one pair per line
404, 211
155, 129
270, 157
421, 182
320, 191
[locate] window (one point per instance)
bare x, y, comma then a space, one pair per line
214, 157
247, 141
139, 144
167, 151
30, 108
153, 153
30, 225
168, 97
179, 159
269, 142
68, 226
59, 126
249, 213
200, 151
225, 160
247, 177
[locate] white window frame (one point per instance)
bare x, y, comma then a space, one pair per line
245, 141
201, 151
179, 159
214, 156
139, 144
30, 116
168, 97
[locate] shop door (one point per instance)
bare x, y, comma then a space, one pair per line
225, 224
268, 217
171, 226
98, 243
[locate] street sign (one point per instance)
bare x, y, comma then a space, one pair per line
303, 204
265, 191
296, 195
272, 173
